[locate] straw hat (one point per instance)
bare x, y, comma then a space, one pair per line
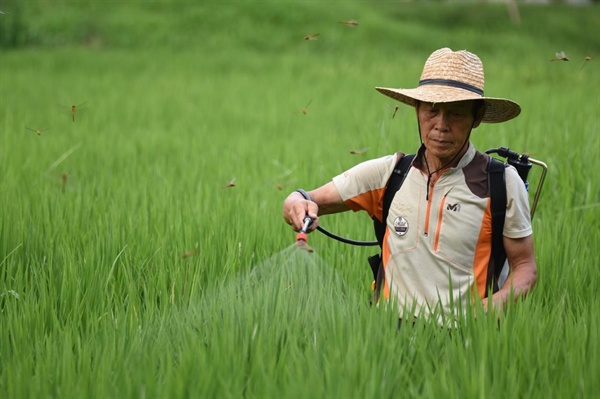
450, 76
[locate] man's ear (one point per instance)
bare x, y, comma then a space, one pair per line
480, 111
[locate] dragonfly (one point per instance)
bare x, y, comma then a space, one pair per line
231, 183
312, 36
585, 60
395, 107
359, 152
37, 131
306, 247
63, 178
560, 56
187, 254
281, 185
351, 23
74, 109
305, 108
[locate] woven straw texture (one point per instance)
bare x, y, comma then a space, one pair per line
460, 67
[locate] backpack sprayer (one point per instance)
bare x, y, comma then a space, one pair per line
522, 163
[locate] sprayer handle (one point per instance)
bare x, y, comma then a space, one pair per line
307, 222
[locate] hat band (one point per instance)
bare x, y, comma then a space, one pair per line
451, 83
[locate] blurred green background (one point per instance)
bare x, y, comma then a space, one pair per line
176, 99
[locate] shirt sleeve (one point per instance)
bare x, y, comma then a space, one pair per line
517, 223
362, 186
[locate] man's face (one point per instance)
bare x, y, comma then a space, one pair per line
445, 126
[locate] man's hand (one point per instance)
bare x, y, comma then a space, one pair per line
523, 272
324, 200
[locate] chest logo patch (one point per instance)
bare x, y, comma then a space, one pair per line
453, 207
400, 225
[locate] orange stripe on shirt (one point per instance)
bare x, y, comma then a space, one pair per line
386, 256
483, 251
436, 240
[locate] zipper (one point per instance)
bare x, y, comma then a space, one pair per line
428, 211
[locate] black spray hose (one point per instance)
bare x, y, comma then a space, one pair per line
347, 240
301, 236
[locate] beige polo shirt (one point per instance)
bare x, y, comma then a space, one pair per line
436, 247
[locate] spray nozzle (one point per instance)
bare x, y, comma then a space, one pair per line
301, 236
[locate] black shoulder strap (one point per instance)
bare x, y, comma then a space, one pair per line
497, 188
393, 185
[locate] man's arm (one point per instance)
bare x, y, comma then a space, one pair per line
325, 200
523, 271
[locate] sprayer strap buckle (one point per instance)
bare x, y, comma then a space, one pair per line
304, 194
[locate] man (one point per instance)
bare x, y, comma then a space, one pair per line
437, 244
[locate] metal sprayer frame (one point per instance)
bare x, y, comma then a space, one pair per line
536, 197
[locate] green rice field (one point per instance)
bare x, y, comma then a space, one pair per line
146, 149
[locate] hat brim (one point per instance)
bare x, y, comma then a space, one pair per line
496, 109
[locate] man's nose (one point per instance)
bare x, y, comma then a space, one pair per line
442, 121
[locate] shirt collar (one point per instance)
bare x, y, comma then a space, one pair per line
467, 157
464, 161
